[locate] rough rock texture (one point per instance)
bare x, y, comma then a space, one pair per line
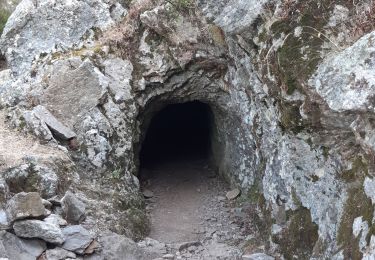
31, 177
25, 205
115, 246
290, 85
39, 229
73, 208
56, 220
59, 254
12, 247
77, 239
27, 44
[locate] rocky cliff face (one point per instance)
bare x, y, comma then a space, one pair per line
290, 84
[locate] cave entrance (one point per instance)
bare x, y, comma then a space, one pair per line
179, 132
176, 178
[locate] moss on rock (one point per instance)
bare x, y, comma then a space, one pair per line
4, 15
356, 205
297, 241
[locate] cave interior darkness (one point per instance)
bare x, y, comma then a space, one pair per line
178, 132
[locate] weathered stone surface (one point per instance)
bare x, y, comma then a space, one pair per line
32, 177
59, 254
148, 194
73, 208
55, 220
12, 247
233, 194
57, 128
75, 87
115, 247
39, 229
5, 75
4, 223
257, 256
77, 239
25, 205
153, 247
25, 24
345, 81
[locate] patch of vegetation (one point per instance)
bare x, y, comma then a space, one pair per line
4, 15
182, 5
255, 207
358, 171
297, 241
140, 223
356, 205
290, 118
299, 55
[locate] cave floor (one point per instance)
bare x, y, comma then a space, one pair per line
188, 204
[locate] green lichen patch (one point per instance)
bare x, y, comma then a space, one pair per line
255, 206
357, 204
292, 41
299, 55
290, 117
358, 171
298, 239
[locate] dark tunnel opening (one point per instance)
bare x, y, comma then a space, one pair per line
179, 132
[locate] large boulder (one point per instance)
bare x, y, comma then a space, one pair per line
12, 247
77, 239
39, 229
25, 205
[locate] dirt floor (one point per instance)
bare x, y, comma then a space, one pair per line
187, 204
